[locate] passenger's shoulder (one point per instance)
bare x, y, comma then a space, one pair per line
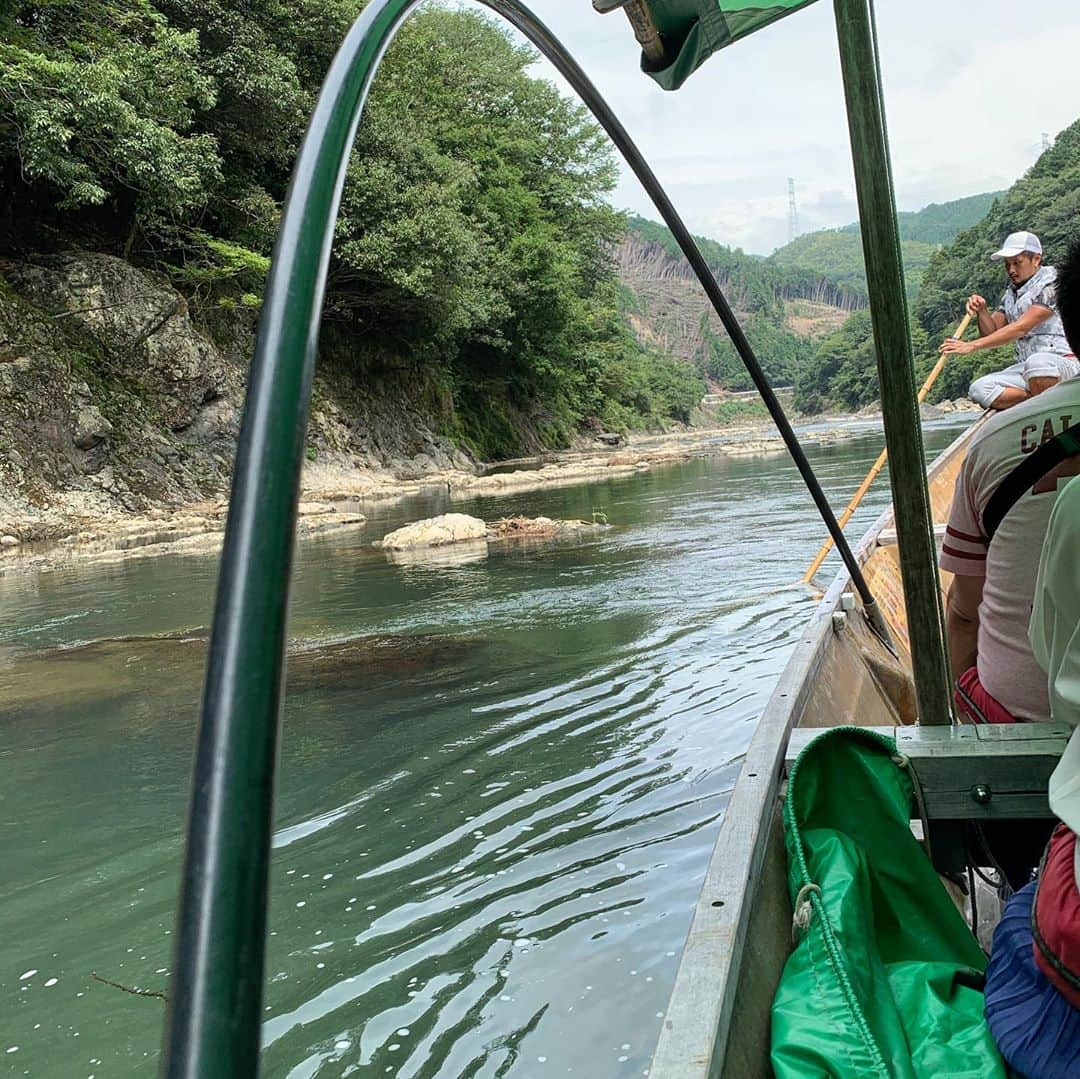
1068, 499
1022, 428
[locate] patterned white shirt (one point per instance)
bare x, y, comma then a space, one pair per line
1048, 336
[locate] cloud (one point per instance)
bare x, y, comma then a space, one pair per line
964, 114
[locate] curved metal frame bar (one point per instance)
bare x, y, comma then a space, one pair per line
215, 1008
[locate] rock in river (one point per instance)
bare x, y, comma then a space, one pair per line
435, 532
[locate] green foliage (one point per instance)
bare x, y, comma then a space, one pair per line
837, 253
761, 292
631, 387
474, 235
779, 351
740, 410
98, 101
1045, 201
842, 372
753, 284
940, 222
211, 265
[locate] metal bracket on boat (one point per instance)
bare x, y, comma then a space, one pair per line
637, 11
840, 617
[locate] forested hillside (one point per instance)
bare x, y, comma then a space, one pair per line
752, 283
783, 311
473, 248
837, 253
1046, 200
940, 222
794, 305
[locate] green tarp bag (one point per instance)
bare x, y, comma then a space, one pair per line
886, 977
692, 30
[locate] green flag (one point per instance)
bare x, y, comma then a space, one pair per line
692, 30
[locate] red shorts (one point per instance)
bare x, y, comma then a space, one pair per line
974, 702
1055, 918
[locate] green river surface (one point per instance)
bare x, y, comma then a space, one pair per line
500, 783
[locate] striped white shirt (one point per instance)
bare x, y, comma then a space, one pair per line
1007, 668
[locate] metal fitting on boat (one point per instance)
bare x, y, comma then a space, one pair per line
847, 601
982, 793
839, 621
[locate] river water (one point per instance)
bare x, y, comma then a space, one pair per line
500, 783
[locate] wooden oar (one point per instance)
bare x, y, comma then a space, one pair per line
879, 464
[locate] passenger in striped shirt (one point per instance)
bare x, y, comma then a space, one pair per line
989, 600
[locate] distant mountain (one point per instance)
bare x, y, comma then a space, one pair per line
788, 303
837, 253
783, 310
940, 222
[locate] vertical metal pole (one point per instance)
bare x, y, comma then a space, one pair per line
896, 371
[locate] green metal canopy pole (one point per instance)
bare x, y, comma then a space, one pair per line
896, 370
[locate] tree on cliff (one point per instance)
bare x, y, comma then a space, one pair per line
474, 228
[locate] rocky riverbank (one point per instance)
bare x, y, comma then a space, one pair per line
119, 413
337, 496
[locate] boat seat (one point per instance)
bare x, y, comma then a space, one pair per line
969, 772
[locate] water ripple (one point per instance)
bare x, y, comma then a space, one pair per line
500, 782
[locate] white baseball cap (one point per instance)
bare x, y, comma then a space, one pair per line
1016, 243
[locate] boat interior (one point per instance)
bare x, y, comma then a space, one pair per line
840, 674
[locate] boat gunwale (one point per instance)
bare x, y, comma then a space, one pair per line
697, 1022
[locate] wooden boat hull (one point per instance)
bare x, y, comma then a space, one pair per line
717, 1022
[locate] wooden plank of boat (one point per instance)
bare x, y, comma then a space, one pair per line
717, 1021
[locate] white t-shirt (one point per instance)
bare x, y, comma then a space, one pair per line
1007, 668
1055, 640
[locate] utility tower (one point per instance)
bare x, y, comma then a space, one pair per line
1045, 141
792, 211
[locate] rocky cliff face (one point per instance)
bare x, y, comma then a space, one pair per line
670, 300
114, 398
671, 304
108, 387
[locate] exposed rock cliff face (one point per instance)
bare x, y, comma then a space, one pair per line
108, 387
113, 398
669, 295
672, 305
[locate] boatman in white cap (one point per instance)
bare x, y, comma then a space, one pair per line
1027, 315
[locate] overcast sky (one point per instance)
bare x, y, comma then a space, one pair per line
969, 89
